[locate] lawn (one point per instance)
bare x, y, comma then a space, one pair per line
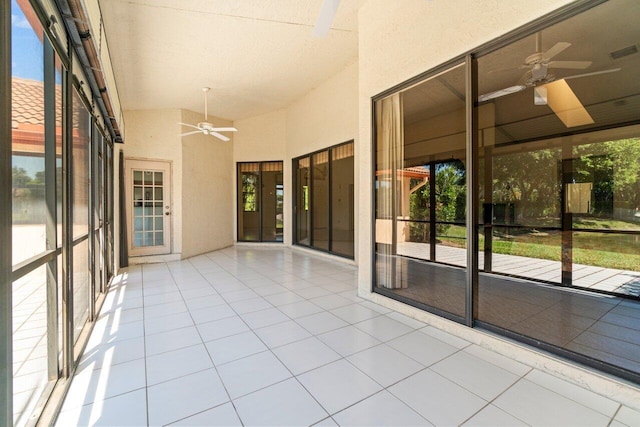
611, 250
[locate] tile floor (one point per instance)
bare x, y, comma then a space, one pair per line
246, 336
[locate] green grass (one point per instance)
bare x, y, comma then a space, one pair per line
597, 249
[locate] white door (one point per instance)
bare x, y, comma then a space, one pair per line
148, 207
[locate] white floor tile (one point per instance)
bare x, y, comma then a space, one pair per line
222, 328
220, 416
476, 375
628, 416
321, 322
251, 305
284, 404
354, 313
381, 409
383, 328
206, 301
113, 353
305, 355
150, 300
536, 405
422, 347
348, 340
252, 373
128, 409
198, 293
282, 333
490, 416
445, 337
437, 399
172, 340
499, 360
91, 385
236, 296
185, 396
331, 301
161, 310
210, 314
231, 348
409, 321
177, 363
167, 323
283, 298
262, 318
300, 309
384, 364
584, 397
338, 385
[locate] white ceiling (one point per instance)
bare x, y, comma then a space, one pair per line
256, 55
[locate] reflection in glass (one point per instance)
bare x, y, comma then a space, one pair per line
342, 199
260, 202
81, 138
320, 200
302, 206
80, 287
560, 186
30, 374
421, 193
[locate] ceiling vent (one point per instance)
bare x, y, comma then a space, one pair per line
625, 51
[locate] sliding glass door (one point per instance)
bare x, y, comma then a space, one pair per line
324, 200
260, 202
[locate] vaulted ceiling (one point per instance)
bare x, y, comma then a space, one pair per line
256, 55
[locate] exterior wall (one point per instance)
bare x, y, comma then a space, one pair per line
155, 135
207, 190
422, 36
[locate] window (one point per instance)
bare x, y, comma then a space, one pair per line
323, 203
555, 243
260, 202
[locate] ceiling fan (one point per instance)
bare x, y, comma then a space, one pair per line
547, 90
206, 127
325, 17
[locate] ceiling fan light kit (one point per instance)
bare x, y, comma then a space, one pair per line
206, 127
547, 90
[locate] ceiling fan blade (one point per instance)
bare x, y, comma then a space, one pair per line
556, 49
225, 129
576, 65
219, 136
325, 17
187, 124
501, 92
566, 105
191, 133
595, 73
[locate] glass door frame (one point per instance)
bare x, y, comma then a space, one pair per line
259, 201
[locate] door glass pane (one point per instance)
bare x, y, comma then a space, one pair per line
303, 212
560, 186
80, 287
249, 202
27, 135
81, 138
29, 342
320, 200
420, 193
271, 208
148, 212
342, 199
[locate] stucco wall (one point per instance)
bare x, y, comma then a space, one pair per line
207, 190
399, 40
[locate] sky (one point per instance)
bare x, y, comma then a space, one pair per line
26, 49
